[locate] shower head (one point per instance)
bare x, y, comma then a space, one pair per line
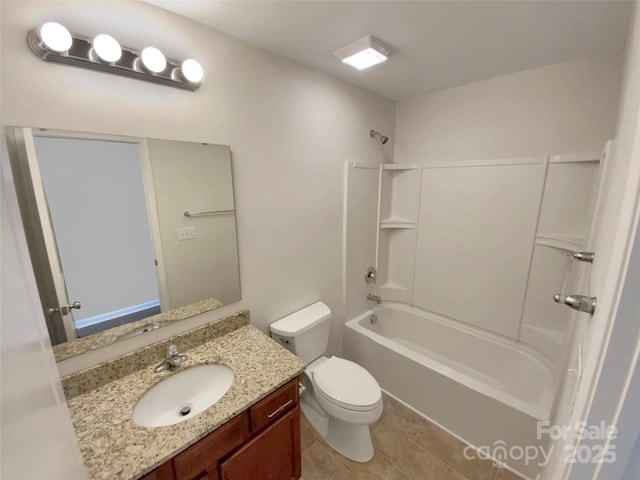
381, 137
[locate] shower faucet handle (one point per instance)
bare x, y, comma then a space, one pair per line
370, 276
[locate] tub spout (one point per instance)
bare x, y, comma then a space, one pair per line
375, 298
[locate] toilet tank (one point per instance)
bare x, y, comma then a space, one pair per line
304, 333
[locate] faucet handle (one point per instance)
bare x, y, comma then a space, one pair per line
370, 276
172, 350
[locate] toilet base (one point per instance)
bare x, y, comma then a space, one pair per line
350, 440
315, 416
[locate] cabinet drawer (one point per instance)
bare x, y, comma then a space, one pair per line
274, 406
205, 454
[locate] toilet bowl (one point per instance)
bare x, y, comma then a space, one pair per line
341, 398
351, 399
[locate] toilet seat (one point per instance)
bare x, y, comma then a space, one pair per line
347, 385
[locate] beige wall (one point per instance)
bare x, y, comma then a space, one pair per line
290, 129
197, 178
562, 108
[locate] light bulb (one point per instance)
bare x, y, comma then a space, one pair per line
192, 70
55, 37
365, 59
153, 59
107, 48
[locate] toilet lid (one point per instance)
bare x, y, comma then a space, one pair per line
347, 382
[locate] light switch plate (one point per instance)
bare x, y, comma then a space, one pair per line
186, 233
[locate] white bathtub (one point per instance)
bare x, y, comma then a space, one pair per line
482, 387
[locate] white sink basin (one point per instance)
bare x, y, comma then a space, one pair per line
183, 395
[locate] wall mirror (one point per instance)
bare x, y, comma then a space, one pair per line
125, 234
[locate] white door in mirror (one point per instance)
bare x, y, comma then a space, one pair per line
183, 395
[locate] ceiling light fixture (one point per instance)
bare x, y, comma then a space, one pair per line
53, 43
363, 53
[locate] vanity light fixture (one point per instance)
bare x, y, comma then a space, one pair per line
153, 60
107, 48
54, 37
192, 70
52, 42
363, 53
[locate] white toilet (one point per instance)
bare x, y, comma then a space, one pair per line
340, 398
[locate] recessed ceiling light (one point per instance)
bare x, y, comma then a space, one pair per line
364, 53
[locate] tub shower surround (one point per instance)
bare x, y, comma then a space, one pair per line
485, 241
469, 255
101, 399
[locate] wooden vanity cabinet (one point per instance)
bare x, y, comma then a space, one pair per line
200, 460
261, 443
274, 454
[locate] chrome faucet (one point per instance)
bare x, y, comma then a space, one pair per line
375, 298
577, 302
582, 256
173, 360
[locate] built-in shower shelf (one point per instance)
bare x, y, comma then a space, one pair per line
397, 223
400, 166
561, 242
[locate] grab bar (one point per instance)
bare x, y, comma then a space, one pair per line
189, 214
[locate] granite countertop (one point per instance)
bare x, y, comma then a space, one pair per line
78, 346
113, 446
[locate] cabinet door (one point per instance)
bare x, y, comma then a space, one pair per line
274, 454
200, 461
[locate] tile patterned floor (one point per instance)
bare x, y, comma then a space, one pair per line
407, 447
